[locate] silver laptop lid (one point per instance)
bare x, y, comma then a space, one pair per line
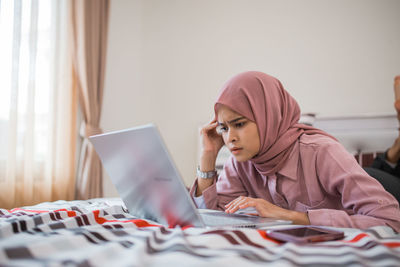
145, 177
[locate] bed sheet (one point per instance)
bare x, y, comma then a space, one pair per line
100, 232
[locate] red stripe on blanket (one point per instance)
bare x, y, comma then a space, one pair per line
187, 227
70, 213
265, 236
138, 222
392, 244
356, 238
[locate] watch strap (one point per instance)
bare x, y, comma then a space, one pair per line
206, 175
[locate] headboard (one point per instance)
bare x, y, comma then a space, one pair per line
364, 136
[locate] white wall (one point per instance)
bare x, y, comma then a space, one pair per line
168, 59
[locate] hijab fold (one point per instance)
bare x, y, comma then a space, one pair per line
262, 99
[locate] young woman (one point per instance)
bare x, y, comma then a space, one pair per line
281, 168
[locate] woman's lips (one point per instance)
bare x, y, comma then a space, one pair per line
236, 150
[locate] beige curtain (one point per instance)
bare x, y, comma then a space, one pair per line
89, 39
37, 105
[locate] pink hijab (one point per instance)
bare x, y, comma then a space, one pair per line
262, 99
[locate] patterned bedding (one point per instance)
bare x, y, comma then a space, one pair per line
100, 232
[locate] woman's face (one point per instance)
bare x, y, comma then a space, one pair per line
240, 134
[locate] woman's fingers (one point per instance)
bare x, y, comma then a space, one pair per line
209, 126
263, 207
247, 204
235, 205
233, 201
260, 205
210, 140
209, 130
397, 87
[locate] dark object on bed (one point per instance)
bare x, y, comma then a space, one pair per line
376, 166
380, 163
305, 234
366, 159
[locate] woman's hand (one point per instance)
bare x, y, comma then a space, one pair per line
396, 87
393, 154
267, 209
211, 143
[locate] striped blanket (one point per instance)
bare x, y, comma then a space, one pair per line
100, 232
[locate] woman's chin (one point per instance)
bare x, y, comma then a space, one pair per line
240, 158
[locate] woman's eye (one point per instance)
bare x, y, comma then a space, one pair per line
240, 124
221, 129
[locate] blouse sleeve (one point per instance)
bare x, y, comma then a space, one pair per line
367, 202
226, 188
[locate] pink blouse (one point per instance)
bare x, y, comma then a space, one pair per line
320, 178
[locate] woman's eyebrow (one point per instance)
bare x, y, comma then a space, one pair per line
235, 120
232, 121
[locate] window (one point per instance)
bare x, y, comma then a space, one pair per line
33, 97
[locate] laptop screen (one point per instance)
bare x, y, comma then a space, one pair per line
145, 177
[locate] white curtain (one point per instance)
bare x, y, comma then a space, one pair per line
37, 104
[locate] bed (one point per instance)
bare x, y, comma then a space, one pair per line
100, 232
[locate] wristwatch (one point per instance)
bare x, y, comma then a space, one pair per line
206, 175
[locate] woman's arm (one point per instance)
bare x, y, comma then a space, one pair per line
226, 187
211, 143
366, 202
267, 209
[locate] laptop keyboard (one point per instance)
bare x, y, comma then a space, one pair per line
220, 219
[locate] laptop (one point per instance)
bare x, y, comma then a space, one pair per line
149, 184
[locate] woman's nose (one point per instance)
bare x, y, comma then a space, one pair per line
232, 136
